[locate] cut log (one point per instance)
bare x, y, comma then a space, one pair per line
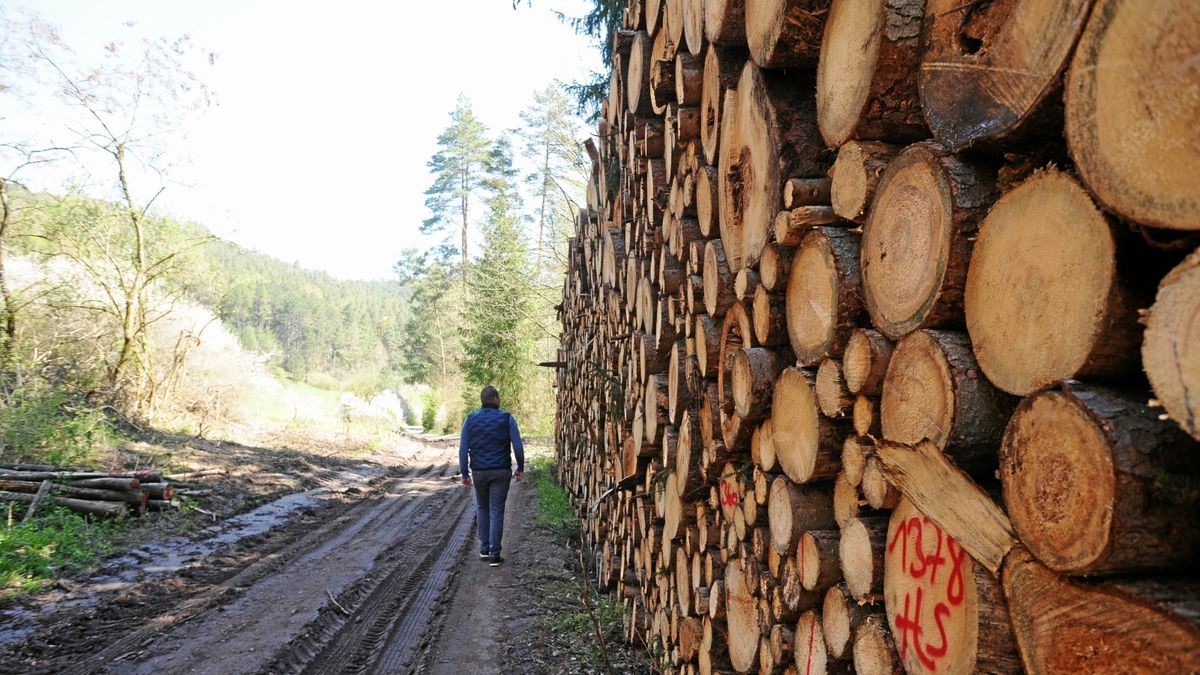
791, 226
793, 509
865, 361
861, 552
799, 192
855, 175
874, 650
693, 26
722, 68
1043, 299
841, 615
112, 509
38, 498
877, 491
770, 317
947, 614
934, 390
1062, 627
772, 138
1133, 76
866, 417
766, 446
109, 483
774, 265
742, 616
992, 72
917, 240
951, 499
718, 279
725, 21
867, 74
706, 202
1094, 483
854, 458
832, 395
807, 444
817, 558
754, 373
1171, 351
637, 75
823, 300
707, 336
809, 647
737, 333
785, 33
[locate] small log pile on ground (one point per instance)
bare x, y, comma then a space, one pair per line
880, 346
106, 494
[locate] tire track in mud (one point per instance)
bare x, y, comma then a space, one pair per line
385, 629
196, 637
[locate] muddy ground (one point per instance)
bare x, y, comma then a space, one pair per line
318, 562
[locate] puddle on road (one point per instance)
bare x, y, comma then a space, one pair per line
170, 556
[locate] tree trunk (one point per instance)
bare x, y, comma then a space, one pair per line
722, 67
725, 21
855, 175
865, 361
792, 509
832, 396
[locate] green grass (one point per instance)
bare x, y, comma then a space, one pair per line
554, 506
55, 543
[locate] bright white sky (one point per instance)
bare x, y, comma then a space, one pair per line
328, 112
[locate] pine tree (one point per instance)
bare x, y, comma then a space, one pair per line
500, 334
550, 144
458, 167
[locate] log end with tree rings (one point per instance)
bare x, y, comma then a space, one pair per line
822, 294
785, 33
795, 422
874, 651
866, 76
854, 176
693, 26
1088, 477
933, 601
1171, 350
742, 619
990, 70
906, 244
733, 174
860, 551
832, 396
918, 394
809, 646
1039, 299
865, 361
753, 374
637, 75
1132, 104
724, 21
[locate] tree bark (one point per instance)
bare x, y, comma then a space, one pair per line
1169, 353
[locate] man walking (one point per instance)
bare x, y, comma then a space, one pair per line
486, 436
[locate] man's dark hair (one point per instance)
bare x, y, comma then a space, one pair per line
489, 395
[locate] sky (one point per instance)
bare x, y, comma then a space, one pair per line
328, 112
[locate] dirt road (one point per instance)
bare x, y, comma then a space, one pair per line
382, 579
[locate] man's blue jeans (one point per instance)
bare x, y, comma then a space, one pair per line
491, 491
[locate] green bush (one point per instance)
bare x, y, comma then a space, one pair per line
48, 426
554, 505
429, 410
323, 381
54, 543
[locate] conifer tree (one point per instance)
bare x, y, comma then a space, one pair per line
459, 168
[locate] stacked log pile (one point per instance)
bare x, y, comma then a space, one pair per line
98, 493
879, 338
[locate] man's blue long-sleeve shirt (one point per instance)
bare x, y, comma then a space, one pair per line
486, 437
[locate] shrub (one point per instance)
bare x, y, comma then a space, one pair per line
429, 411
54, 543
49, 426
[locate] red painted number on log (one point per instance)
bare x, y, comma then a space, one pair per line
729, 496
910, 624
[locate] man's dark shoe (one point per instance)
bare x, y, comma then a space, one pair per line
485, 555
495, 561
